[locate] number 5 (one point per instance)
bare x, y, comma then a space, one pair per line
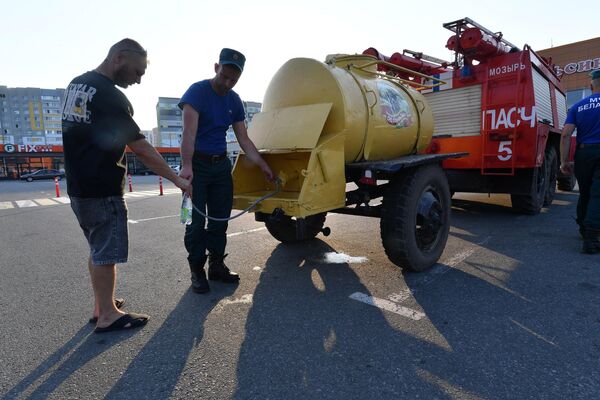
504, 148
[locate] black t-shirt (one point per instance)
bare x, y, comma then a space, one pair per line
97, 124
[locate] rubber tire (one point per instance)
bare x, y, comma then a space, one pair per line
284, 229
532, 203
552, 159
399, 217
29, 179
567, 183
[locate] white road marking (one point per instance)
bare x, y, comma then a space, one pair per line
333, 257
400, 297
147, 192
537, 335
133, 221
245, 299
440, 269
45, 202
25, 203
134, 194
436, 271
244, 232
6, 205
387, 306
66, 200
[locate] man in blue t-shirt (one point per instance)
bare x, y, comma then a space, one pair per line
209, 108
585, 116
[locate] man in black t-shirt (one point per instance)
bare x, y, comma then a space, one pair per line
97, 125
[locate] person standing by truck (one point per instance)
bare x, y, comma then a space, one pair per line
97, 125
585, 117
209, 108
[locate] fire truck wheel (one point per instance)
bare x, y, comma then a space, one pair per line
415, 217
532, 203
284, 228
552, 161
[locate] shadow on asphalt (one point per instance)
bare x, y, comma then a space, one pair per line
523, 323
158, 366
307, 340
87, 346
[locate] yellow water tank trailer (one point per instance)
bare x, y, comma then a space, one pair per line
321, 121
315, 118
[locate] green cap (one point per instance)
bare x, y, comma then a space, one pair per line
232, 57
595, 74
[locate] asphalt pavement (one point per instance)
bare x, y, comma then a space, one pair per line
511, 311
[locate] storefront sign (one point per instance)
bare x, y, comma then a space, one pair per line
30, 148
577, 67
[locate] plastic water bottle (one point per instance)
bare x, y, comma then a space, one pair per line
186, 210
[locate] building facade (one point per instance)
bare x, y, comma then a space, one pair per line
30, 116
573, 63
169, 122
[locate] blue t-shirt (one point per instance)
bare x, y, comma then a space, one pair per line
215, 115
585, 115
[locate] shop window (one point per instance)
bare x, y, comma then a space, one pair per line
574, 96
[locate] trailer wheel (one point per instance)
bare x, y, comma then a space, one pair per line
532, 202
284, 228
552, 161
567, 183
415, 217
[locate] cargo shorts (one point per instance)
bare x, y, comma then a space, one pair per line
104, 224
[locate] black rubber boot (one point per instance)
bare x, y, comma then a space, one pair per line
581, 228
218, 271
198, 277
591, 241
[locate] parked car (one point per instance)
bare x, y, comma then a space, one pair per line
43, 174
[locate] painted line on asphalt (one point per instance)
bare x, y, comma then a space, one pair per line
435, 272
45, 202
5, 205
135, 221
537, 335
245, 299
25, 203
387, 306
134, 194
244, 232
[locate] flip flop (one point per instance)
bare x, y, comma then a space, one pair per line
119, 303
127, 321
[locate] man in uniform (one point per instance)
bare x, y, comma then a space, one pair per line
585, 117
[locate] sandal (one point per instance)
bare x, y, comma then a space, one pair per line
118, 303
127, 321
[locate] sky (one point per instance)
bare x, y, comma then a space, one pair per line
46, 43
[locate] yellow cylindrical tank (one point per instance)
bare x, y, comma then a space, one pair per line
381, 118
318, 117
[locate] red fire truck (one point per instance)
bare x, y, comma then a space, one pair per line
503, 105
